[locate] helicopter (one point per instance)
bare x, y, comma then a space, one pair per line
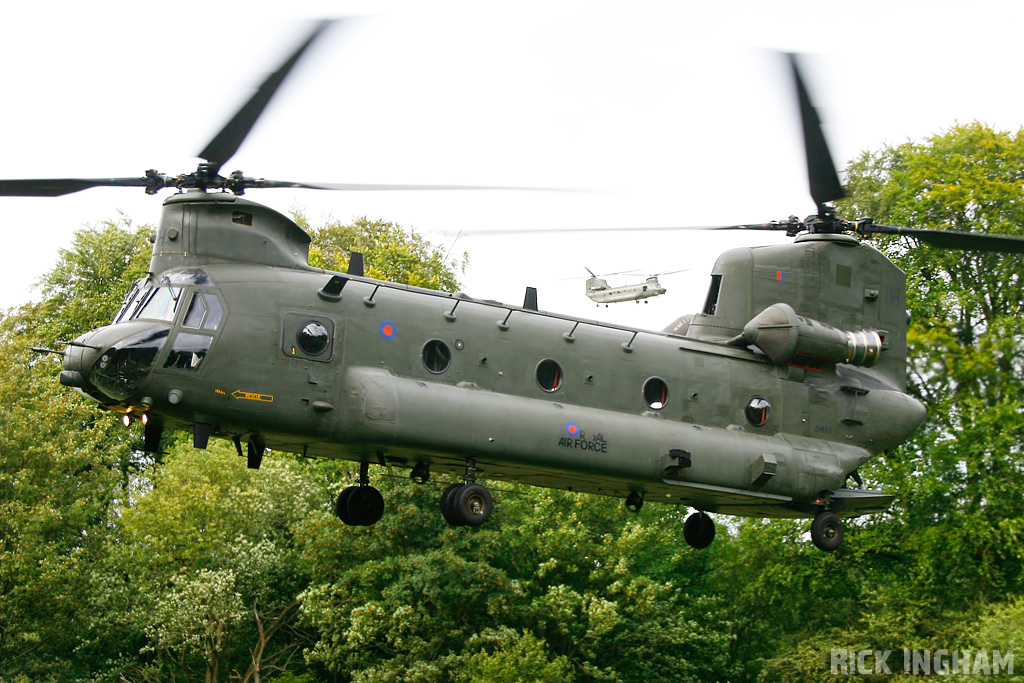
598, 289
764, 403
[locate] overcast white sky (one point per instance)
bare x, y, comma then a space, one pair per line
663, 113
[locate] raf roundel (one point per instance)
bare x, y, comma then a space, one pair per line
572, 429
388, 329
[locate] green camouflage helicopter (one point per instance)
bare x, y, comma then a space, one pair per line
765, 403
600, 291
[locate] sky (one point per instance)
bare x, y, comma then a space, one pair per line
639, 114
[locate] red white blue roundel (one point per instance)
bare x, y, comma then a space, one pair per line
572, 429
388, 330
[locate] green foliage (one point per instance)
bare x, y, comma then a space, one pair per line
960, 480
206, 565
389, 252
575, 583
85, 288
61, 477
515, 658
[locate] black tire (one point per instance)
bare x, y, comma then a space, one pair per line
827, 531
365, 505
446, 504
341, 506
472, 504
698, 530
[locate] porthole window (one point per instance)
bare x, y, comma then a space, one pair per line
436, 356
655, 393
303, 335
313, 338
757, 410
549, 375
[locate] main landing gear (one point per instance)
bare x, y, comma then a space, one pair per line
699, 530
467, 503
827, 531
360, 505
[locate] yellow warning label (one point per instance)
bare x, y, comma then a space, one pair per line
252, 396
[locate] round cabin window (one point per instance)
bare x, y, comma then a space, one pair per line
436, 356
549, 375
655, 393
757, 410
313, 338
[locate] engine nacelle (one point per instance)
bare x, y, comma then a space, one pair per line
790, 339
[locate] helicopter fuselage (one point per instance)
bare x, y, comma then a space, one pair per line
281, 355
599, 291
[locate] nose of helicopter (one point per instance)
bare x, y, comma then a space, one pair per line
79, 357
113, 361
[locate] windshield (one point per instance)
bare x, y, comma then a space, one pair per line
129, 299
160, 304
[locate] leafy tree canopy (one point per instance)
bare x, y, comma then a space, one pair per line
390, 253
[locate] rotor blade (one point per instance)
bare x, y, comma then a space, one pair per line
375, 187
55, 187
774, 225
821, 172
230, 138
953, 239
634, 228
602, 275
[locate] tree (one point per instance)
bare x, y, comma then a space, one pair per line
204, 568
571, 582
515, 658
85, 288
389, 251
65, 469
960, 480
61, 479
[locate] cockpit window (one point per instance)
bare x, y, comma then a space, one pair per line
711, 304
161, 304
188, 351
216, 311
196, 312
129, 299
204, 311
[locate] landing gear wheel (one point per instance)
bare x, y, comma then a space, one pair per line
366, 506
341, 506
446, 504
634, 501
360, 506
827, 531
471, 504
698, 530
